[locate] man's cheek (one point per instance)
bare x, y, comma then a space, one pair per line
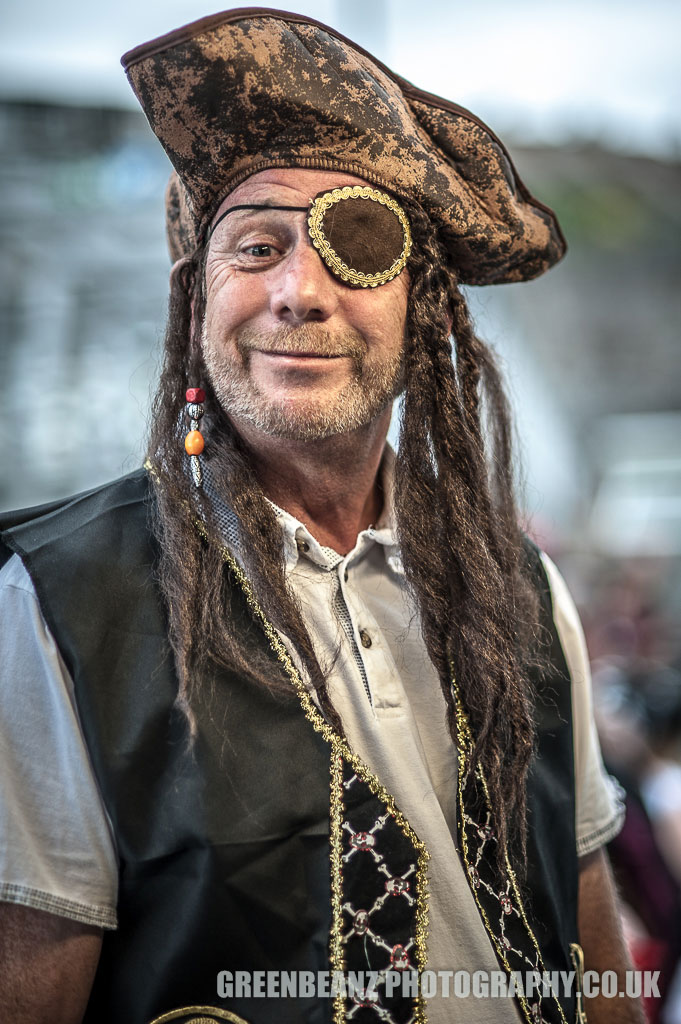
219, 272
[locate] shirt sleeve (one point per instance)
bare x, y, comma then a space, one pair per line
57, 851
599, 806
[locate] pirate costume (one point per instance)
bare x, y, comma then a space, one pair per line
274, 843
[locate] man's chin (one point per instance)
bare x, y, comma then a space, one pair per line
309, 422
297, 427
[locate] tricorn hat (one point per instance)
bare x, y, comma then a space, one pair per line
252, 88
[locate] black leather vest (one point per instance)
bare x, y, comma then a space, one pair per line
267, 845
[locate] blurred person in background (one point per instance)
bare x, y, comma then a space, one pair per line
296, 701
638, 714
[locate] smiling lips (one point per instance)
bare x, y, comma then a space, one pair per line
306, 341
303, 355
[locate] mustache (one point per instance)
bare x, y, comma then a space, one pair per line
312, 339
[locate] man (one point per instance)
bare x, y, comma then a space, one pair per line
310, 699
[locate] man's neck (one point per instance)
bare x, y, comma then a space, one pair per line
332, 486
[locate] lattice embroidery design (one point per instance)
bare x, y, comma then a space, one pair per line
379, 865
498, 898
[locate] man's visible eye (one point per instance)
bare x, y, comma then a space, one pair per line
261, 251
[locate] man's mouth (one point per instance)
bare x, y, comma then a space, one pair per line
306, 343
287, 354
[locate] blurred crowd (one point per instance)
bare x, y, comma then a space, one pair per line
633, 637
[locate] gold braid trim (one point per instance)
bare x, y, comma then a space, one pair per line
464, 740
336, 952
340, 751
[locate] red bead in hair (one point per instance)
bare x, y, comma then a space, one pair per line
195, 395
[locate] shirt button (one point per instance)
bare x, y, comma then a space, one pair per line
302, 545
365, 638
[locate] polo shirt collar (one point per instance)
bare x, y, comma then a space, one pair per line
299, 543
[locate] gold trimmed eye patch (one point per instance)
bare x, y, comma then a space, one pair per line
361, 233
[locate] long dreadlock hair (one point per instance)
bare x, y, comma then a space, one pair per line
453, 486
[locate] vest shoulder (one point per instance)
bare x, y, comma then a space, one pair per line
113, 515
536, 571
533, 558
550, 676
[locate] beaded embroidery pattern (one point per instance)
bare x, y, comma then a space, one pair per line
380, 867
496, 900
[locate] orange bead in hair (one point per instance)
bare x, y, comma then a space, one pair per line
193, 442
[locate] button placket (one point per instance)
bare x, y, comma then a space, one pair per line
348, 622
368, 589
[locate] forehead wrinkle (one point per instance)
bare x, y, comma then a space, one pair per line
261, 214
263, 192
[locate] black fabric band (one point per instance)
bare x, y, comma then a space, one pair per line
255, 206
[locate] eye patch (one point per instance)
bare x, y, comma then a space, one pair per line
361, 234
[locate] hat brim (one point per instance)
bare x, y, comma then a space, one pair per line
254, 88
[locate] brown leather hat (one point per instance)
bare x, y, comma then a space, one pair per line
251, 88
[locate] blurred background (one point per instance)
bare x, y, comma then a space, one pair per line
587, 96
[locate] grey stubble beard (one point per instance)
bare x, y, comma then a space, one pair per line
357, 404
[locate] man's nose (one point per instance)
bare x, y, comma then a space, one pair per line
304, 290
